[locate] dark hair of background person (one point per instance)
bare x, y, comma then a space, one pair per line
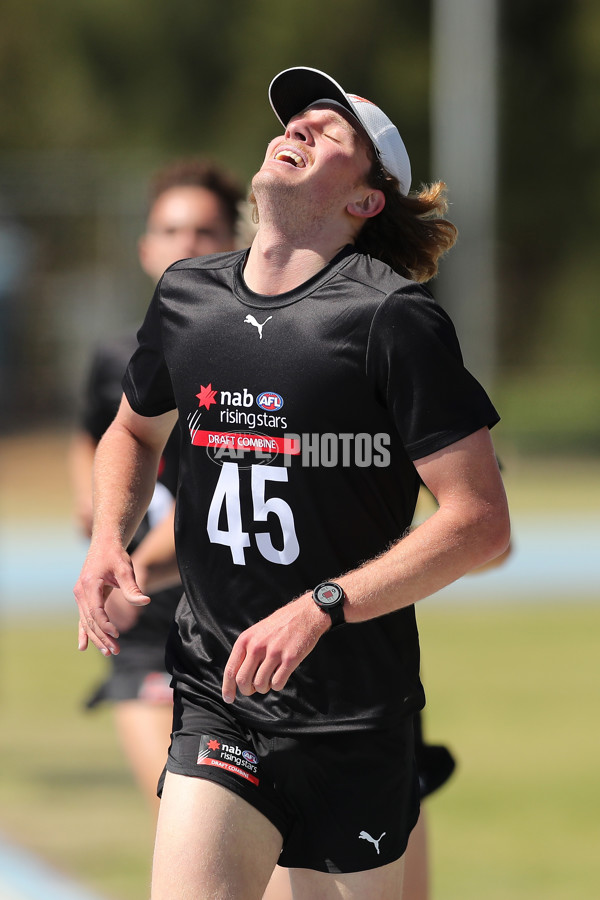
199, 173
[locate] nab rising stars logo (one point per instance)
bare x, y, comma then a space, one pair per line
269, 401
246, 444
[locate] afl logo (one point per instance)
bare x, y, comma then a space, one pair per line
270, 401
251, 757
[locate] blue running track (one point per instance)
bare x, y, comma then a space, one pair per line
24, 877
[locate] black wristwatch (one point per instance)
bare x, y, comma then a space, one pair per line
330, 596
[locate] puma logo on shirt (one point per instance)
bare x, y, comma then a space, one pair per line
250, 320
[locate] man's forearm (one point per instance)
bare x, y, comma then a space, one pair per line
125, 472
470, 528
438, 552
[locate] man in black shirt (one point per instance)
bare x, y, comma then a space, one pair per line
315, 382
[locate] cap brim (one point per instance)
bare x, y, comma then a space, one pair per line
293, 90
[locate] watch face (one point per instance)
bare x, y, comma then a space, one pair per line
328, 594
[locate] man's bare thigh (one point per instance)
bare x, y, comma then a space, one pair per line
211, 844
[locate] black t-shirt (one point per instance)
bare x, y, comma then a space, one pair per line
142, 647
300, 416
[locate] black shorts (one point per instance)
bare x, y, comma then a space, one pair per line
152, 687
343, 802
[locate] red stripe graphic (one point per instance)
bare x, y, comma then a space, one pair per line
231, 440
228, 768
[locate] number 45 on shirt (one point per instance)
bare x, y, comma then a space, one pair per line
227, 494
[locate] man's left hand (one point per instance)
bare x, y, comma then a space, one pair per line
265, 655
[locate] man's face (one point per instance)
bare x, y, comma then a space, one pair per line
183, 222
320, 160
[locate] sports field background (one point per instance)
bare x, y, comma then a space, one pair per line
513, 688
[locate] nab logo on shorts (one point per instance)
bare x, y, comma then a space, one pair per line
270, 401
230, 758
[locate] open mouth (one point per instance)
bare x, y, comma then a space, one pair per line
288, 156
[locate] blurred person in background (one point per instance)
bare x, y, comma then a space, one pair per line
293, 729
193, 211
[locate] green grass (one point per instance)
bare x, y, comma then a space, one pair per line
514, 690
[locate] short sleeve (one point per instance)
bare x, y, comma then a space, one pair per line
416, 363
103, 390
147, 383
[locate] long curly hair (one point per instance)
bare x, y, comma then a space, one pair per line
410, 234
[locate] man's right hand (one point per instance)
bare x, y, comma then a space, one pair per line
125, 469
102, 571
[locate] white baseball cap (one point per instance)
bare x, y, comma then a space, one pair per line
294, 90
